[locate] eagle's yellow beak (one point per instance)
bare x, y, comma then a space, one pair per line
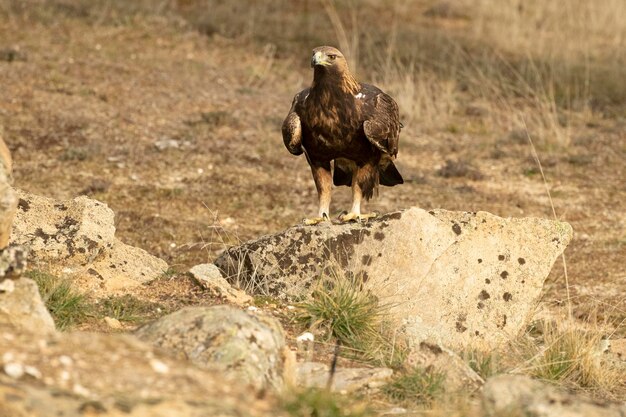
319, 58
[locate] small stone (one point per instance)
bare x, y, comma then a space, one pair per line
159, 367
113, 323
66, 360
210, 277
24, 309
7, 286
315, 374
305, 337
32, 371
14, 370
165, 144
395, 410
80, 390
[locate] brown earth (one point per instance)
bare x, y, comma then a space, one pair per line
85, 100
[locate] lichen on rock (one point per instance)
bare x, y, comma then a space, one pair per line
458, 278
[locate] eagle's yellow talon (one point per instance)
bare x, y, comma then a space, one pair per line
345, 218
315, 220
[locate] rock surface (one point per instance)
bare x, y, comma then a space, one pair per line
84, 374
12, 262
459, 376
454, 277
8, 198
21, 307
247, 347
521, 395
77, 238
210, 277
618, 349
315, 375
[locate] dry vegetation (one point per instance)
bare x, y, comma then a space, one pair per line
88, 88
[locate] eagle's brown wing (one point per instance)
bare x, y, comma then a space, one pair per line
292, 127
382, 124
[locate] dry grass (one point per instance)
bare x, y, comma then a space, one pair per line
416, 387
555, 63
468, 80
568, 355
67, 305
340, 309
315, 402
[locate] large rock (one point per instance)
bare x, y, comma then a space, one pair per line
247, 347
345, 380
85, 374
210, 278
459, 376
454, 277
21, 307
12, 263
523, 396
8, 198
77, 238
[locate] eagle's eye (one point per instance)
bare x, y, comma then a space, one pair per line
332, 57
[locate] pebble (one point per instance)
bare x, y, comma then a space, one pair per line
66, 360
305, 337
7, 286
159, 367
113, 323
14, 370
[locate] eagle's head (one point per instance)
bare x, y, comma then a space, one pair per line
331, 70
329, 58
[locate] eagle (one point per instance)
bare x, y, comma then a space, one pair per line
355, 126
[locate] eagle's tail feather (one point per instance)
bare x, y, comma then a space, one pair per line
389, 174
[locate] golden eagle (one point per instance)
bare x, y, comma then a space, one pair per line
355, 125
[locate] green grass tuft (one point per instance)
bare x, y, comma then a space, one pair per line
344, 312
341, 310
67, 306
128, 308
416, 387
315, 402
485, 364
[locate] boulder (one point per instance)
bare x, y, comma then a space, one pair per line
210, 277
8, 198
249, 348
77, 238
521, 395
21, 307
459, 376
12, 262
85, 374
345, 380
454, 277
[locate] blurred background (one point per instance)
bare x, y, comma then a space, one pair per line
170, 112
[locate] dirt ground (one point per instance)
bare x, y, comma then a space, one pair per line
85, 105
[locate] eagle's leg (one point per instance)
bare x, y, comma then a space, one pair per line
323, 182
357, 196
